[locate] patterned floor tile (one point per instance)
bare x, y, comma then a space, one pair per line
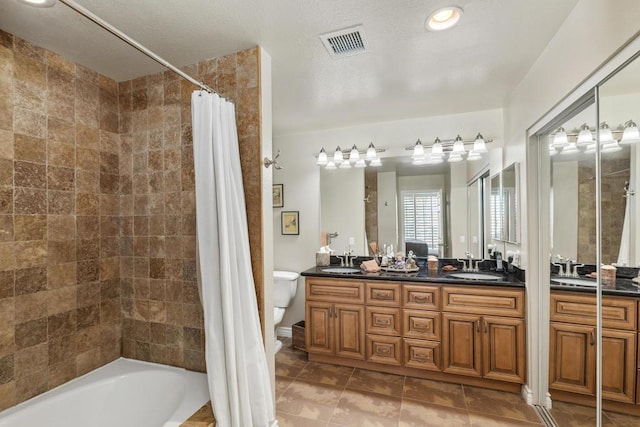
309, 400
501, 404
326, 374
361, 408
440, 393
377, 382
423, 414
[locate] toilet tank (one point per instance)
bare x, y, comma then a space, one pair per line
285, 284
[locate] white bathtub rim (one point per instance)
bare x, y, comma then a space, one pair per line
116, 369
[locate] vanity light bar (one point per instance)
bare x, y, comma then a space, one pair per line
345, 159
447, 144
610, 139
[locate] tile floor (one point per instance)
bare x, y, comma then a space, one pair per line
313, 394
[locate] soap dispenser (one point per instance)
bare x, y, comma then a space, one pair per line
498, 256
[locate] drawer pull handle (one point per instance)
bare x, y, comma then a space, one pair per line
383, 295
477, 326
420, 298
420, 327
380, 321
421, 356
383, 350
592, 338
486, 326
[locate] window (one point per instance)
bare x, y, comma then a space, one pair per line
422, 213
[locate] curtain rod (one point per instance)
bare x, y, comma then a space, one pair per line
122, 36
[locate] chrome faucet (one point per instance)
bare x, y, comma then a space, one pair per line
567, 270
464, 264
575, 270
477, 268
349, 258
560, 269
342, 258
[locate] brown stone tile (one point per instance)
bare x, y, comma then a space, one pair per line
88, 316
87, 294
87, 137
60, 252
61, 227
492, 402
30, 201
440, 393
29, 149
33, 175
6, 228
28, 70
484, 420
61, 154
31, 333
61, 105
361, 408
31, 385
88, 361
31, 359
30, 227
61, 275
87, 182
30, 307
61, 202
62, 132
7, 284
290, 364
6, 200
309, 400
88, 227
61, 373
30, 254
7, 256
422, 414
59, 63
109, 183
88, 271
29, 280
194, 360
60, 178
87, 339
62, 324
110, 310
7, 339
6, 40
61, 300
7, 137
61, 350
326, 374
29, 96
6, 172
288, 420
377, 382
28, 50
7, 313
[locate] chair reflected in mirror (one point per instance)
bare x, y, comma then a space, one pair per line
419, 247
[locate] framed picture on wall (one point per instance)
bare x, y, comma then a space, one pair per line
290, 222
278, 195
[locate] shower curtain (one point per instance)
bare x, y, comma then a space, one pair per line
236, 362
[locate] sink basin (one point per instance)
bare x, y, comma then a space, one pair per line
574, 281
341, 270
475, 276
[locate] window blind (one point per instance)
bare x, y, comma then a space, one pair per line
422, 217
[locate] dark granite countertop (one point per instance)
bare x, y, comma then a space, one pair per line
622, 287
421, 276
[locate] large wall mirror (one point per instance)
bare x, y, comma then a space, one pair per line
400, 202
577, 353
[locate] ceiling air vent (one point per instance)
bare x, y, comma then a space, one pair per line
348, 42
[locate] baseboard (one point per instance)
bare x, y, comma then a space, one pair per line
284, 331
527, 394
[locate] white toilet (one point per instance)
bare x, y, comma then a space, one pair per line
285, 285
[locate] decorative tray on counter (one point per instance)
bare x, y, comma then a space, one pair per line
400, 270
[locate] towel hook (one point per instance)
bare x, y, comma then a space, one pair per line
267, 162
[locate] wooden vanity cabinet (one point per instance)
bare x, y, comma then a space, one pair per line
486, 346
464, 334
335, 318
572, 350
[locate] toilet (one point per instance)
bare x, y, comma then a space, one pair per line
285, 285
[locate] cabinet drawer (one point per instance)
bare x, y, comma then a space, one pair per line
383, 349
383, 320
335, 290
422, 354
385, 294
492, 301
421, 324
421, 297
617, 313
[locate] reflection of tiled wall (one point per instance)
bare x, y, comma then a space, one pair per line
60, 312
162, 312
371, 207
613, 207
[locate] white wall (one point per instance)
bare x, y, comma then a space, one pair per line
387, 210
301, 177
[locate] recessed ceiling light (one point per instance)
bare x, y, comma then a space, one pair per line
39, 3
443, 18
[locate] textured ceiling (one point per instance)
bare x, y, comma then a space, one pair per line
408, 73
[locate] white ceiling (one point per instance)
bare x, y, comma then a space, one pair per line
408, 73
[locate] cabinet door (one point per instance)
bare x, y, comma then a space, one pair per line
384, 349
319, 327
503, 349
349, 331
618, 365
572, 358
461, 346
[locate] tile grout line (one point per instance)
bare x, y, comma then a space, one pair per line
333, 413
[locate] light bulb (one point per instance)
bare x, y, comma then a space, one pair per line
479, 145
631, 135
39, 3
345, 165
473, 155
570, 149
418, 150
371, 152
585, 136
322, 158
560, 138
605, 133
354, 155
454, 157
376, 162
443, 18
337, 156
458, 146
360, 164
611, 147
330, 166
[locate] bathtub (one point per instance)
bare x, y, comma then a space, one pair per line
123, 393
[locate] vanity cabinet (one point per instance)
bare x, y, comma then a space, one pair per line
464, 334
487, 346
335, 318
572, 366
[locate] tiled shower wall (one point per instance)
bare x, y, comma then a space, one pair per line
60, 312
163, 317
97, 214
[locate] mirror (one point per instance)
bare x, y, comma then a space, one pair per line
497, 208
476, 191
510, 203
400, 202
